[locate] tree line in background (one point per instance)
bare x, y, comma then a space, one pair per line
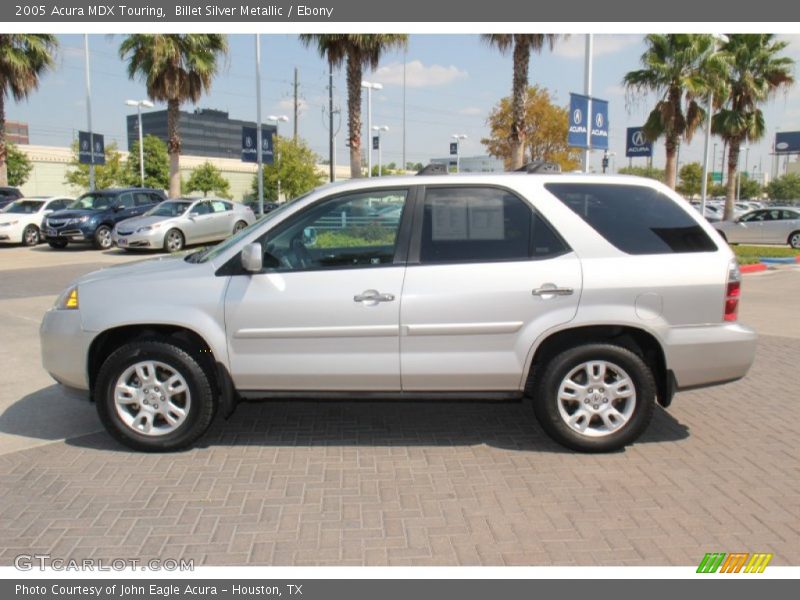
681, 69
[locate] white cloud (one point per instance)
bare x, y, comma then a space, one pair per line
574, 47
417, 74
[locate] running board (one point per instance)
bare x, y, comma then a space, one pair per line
361, 395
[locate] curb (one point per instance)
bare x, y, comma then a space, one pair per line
776, 260
756, 268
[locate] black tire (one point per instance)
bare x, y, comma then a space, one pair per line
102, 238
200, 411
31, 236
173, 241
546, 402
794, 240
239, 226
59, 244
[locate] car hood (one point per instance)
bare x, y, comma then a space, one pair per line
136, 222
72, 213
165, 266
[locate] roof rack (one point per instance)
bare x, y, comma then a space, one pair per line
540, 166
433, 169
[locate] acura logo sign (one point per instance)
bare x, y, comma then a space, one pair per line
577, 116
637, 138
598, 120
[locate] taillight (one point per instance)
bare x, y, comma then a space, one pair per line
733, 290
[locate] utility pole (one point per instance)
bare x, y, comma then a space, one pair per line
587, 89
405, 59
295, 103
259, 141
331, 148
89, 111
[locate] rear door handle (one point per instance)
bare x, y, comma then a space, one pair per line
372, 297
550, 289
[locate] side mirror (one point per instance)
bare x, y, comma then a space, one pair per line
252, 258
309, 236
117, 207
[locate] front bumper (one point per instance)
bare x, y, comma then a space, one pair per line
11, 234
709, 354
70, 233
150, 239
65, 347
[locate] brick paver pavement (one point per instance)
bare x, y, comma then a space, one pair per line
367, 483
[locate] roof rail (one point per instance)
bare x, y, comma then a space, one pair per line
540, 166
433, 169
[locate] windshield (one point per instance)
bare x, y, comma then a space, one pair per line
169, 209
92, 202
211, 252
24, 207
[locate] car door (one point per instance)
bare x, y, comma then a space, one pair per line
142, 202
486, 274
201, 223
126, 208
222, 219
748, 228
324, 315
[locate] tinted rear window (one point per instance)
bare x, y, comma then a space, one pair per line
635, 219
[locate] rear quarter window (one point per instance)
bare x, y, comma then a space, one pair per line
635, 219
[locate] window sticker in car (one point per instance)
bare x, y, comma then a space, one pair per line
449, 220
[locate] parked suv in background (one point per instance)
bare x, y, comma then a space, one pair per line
595, 296
8, 195
91, 218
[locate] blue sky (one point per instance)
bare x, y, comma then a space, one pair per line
452, 83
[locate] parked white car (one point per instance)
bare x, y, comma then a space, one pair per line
776, 225
174, 224
596, 296
21, 221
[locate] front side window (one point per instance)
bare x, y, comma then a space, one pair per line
350, 231
173, 208
482, 224
635, 219
202, 208
92, 201
754, 217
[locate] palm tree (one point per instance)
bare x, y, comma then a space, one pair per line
175, 68
756, 73
359, 50
680, 69
522, 44
24, 57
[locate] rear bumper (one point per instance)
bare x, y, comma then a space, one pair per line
709, 354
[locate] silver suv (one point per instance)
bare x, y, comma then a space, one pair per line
594, 296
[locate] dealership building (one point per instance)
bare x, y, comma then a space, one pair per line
204, 132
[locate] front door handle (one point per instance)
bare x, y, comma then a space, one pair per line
550, 289
372, 297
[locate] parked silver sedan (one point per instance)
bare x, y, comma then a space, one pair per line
775, 225
174, 224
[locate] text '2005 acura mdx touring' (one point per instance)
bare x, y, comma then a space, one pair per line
595, 296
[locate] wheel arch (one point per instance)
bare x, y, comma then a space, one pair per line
184, 337
637, 340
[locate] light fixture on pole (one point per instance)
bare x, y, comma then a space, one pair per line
277, 119
379, 129
139, 104
458, 137
718, 38
369, 87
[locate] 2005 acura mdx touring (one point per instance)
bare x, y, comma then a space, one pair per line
595, 296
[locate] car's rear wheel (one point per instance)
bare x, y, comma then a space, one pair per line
595, 397
57, 243
239, 226
794, 240
173, 241
154, 396
30, 236
102, 238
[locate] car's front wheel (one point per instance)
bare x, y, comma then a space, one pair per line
173, 241
30, 236
154, 396
595, 397
102, 238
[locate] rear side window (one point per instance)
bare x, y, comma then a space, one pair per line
482, 224
126, 200
635, 219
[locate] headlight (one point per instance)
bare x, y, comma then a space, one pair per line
77, 220
68, 300
147, 228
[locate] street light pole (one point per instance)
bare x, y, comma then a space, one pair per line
709, 113
89, 111
369, 87
379, 129
139, 104
259, 141
587, 89
277, 119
